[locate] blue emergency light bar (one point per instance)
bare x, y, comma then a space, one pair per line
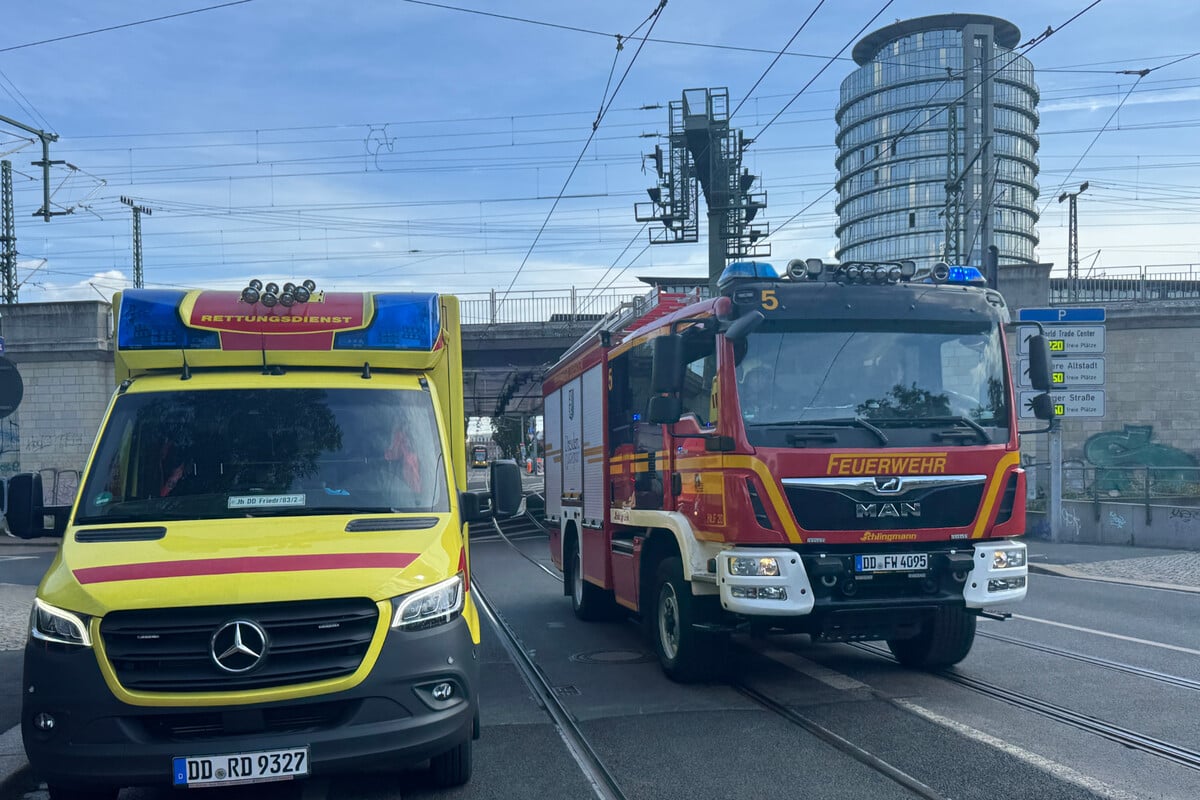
970, 276
746, 270
150, 320
401, 322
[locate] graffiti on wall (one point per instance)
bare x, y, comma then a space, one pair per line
10, 448
1125, 460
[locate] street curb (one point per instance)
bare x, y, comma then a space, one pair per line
1067, 572
12, 755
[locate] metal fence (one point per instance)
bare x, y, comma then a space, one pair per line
1148, 486
543, 305
1151, 283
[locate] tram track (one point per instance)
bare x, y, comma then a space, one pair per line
1094, 725
1116, 666
603, 782
756, 696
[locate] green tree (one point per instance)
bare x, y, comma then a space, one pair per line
506, 433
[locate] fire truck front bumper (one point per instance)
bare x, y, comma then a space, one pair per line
1000, 574
764, 582
775, 582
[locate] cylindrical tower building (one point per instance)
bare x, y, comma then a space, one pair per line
937, 144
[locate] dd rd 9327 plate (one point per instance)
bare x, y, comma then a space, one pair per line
892, 562
234, 768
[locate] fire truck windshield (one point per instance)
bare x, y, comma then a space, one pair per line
907, 377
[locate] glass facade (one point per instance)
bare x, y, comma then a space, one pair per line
894, 143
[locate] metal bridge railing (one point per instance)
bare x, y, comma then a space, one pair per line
1137, 284
543, 305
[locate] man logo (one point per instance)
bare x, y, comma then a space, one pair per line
881, 510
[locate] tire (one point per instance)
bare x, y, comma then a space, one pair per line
451, 768
945, 639
589, 602
58, 792
686, 655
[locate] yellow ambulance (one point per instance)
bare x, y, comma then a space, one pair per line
265, 575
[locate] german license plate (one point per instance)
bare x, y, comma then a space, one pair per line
892, 562
260, 767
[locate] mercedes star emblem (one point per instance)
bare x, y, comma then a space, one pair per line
239, 646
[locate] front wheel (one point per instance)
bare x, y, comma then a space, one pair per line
945, 639
685, 653
453, 767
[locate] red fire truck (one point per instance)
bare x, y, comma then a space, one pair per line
833, 452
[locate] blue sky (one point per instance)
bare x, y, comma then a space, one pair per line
401, 145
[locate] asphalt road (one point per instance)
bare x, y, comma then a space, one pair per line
663, 740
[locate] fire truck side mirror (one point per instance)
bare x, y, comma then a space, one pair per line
1040, 365
666, 370
744, 325
507, 493
664, 409
1043, 406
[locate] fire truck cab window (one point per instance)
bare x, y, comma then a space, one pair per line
634, 444
700, 353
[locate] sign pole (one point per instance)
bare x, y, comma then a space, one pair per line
1054, 502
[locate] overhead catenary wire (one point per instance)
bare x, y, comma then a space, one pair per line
654, 17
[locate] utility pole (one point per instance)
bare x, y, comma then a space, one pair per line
8, 237
1073, 239
705, 151
46, 138
137, 238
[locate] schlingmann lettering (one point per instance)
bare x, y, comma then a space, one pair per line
910, 464
871, 536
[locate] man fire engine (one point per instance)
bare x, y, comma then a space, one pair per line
833, 452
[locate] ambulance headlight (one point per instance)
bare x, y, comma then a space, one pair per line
751, 566
51, 624
1005, 559
429, 607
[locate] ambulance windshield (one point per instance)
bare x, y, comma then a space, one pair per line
213, 454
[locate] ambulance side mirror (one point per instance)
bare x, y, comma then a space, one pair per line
507, 493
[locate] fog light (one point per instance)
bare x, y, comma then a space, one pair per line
43, 722
759, 592
443, 691
1004, 559
1005, 584
753, 566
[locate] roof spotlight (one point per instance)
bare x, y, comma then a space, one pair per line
941, 272
250, 294
289, 287
310, 285
255, 284
269, 299
814, 267
853, 273
908, 268
894, 274
301, 294
272, 288
287, 299
881, 274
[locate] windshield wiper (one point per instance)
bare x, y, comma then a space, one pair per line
834, 422
922, 422
976, 428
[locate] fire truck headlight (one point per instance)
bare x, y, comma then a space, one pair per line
759, 592
1004, 559
751, 566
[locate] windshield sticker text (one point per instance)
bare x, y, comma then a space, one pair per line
266, 500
